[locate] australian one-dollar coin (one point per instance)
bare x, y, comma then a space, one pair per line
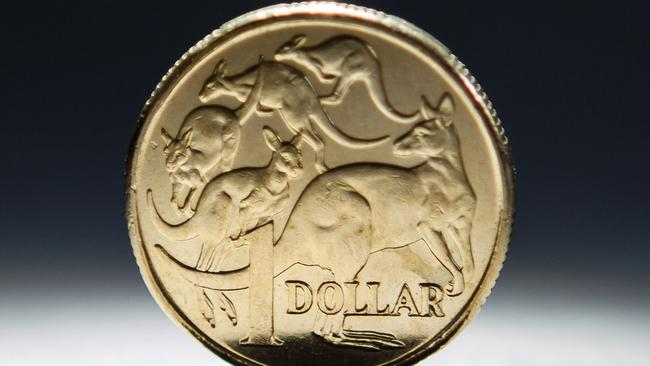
316, 184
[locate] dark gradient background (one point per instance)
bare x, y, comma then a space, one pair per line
570, 82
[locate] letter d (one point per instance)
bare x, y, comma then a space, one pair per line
299, 305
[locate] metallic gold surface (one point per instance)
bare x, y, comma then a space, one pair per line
318, 183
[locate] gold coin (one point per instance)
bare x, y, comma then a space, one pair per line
320, 183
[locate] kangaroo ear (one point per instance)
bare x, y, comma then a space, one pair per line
272, 140
220, 68
187, 137
167, 139
426, 110
446, 108
297, 140
298, 40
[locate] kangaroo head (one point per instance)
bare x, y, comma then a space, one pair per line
177, 151
217, 85
292, 50
434, 136
287, 156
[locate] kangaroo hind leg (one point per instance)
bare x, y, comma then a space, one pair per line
459, 235
342, 86
438, 247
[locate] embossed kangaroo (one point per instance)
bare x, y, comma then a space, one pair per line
350, 212
272, 86
205, 147
344, 60
239, 201
233, 204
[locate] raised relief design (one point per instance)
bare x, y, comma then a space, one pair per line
238, 201
233, 204
347, 299
344, 60
208, 309
205, 146
344, 216
276, 87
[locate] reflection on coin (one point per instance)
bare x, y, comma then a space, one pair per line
318, 183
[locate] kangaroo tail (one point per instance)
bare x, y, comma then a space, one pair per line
180, 232
378, 95
223, 281
324, 122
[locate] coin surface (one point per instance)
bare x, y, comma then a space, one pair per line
317, 183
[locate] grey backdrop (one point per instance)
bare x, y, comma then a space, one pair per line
570, 82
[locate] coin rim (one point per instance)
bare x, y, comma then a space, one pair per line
373, 19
